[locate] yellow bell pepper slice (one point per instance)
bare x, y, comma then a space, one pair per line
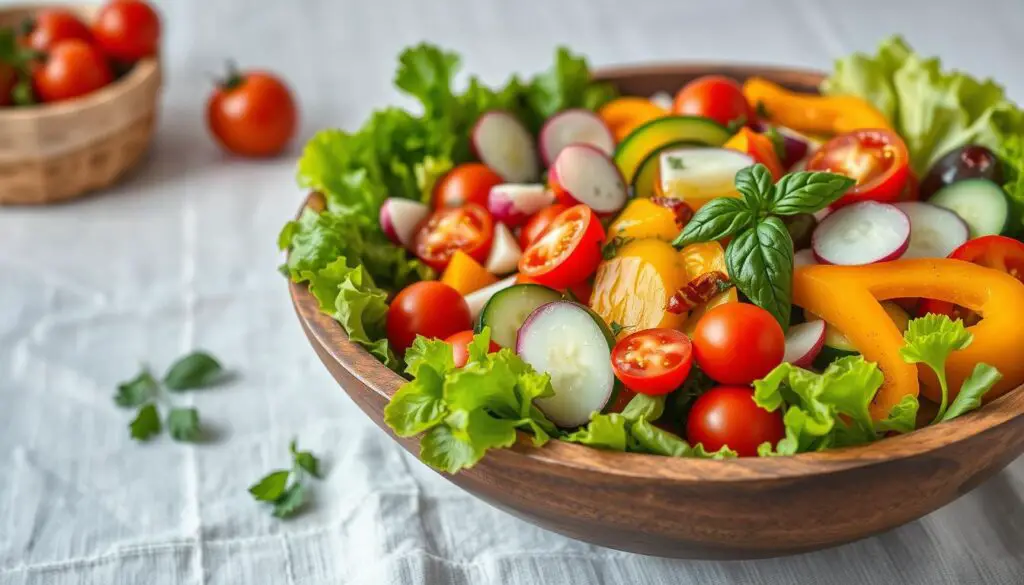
812, 113
643, 219
466, 275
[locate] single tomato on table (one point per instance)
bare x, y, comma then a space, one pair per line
466, 183
876, 159
51, 26
738, 343
469, 228
127, 30
460, 346
252, 113
73, 68
653, 361
568, 252
429, 308
996, 252
539, 223
717, 97
728, 416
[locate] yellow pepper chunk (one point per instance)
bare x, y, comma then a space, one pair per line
633, 288
643, 219
847, 297
812, 113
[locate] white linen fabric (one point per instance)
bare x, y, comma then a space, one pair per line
182, 255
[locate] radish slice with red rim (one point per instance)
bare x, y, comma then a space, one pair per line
584, 174
502, 143
505, 252
934, 231
804, 342
862, 233
513, 204
574, 127
400, 217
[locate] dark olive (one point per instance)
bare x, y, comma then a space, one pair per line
967, 162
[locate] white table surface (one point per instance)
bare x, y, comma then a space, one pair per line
182, 255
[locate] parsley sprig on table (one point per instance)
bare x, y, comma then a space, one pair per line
193, 371
285, 488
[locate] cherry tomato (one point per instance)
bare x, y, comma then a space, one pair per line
466, 183
8, 77
460, 346
738, 343
877, 159
568, 252
52, 26
429, 308
252, 114
469, 228
716, 97
538, 224
73, 68
653, 361
127, 30
997, 252
728, 415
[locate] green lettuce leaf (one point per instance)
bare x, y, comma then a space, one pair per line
930, 340
902, 418
604, 431
981, 380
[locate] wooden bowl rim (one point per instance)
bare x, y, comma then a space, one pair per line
1000, 411
141, 73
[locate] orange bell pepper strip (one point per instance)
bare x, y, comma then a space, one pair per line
466, 275
811, 113
625, 114
848, 298
759, 147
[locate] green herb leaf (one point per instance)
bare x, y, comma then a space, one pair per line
651, 439
717, 219
675, 163
756, 185
418, 405
464, 439
271, 486
760, 263
434, 353
183, 424
974, 388
291, 501
195, 370
611, 249
137, 391
644, 406
146, 423
304, 460
479, 347
930, 340
808, 192
604, 431
902, 417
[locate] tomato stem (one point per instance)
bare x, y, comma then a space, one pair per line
233, 79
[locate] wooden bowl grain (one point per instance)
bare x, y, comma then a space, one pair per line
686, 508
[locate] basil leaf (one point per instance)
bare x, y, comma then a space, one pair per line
195, 370
717, 219
146, 423
183, 424
271, 486
756, 185
137, 391
290, 501
760, 262
807, 192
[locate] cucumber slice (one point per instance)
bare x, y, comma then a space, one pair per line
657, 134
979, 202
572, 344
508, 309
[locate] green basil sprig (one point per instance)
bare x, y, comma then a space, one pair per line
760, 256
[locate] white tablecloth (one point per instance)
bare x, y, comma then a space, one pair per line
182, 255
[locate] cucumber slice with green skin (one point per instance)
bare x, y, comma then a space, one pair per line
572, 344
508, 309
657, 134
827, 355
979, 202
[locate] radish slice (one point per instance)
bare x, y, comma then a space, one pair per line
505, 252
804, 257
574, 126
934, 231
804, 342
400, 217
478, 298
502, 143
514, 204
862, 233
584, 174
572, 344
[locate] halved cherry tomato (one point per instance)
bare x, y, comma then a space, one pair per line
538, 224
653, 361
466, 183
876, 159
997, 252
568, 252
728, 415
469, 228
460, 346
428, 308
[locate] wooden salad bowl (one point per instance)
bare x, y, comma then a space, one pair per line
692, 508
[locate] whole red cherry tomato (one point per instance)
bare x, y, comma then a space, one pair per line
127, 30
728, 416
466, 183
429, 308
73, 68
252, 114
460, 346
53, 25
717, 97
738, 343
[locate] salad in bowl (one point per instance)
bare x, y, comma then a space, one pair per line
739, 270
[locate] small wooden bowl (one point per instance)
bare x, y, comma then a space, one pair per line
56, 152
691, 508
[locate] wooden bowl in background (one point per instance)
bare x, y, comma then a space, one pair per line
55, 152
691, 508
